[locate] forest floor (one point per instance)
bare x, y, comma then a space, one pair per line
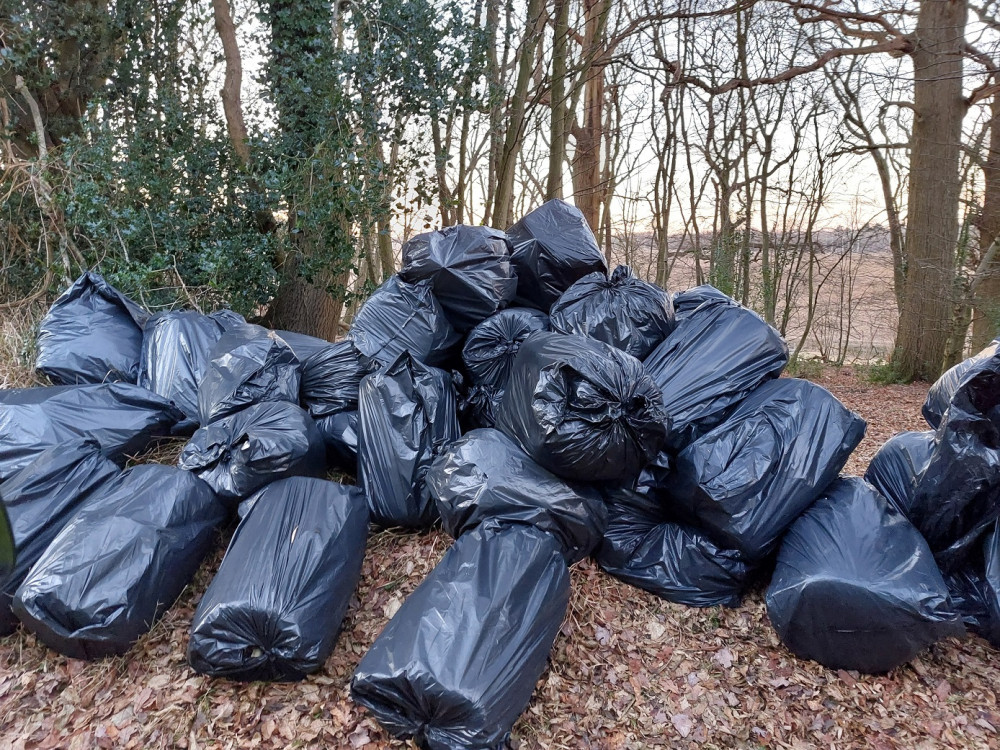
628, 670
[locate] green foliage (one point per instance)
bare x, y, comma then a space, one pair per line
803, 367
883, 373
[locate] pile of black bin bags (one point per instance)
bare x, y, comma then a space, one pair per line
507, 387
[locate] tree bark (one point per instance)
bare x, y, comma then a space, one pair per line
557, 126
232, 107
588, 192
932, 209
986, 315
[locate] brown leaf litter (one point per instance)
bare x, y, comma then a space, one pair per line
628, 670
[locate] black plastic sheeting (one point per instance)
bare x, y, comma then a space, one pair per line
262, 443
490, 347
400, 317
943, 390
713, 359
123, 418
274, 609
621, 310
175, 353
408, 415
457, 664
957, 499
897, 466
40, 499
747, 480
331, 378
486, 477
478, 406
582, 409
340, 435
120, 563
248, 365
470, 269
645, 547
91, 334
553, 248
856, 586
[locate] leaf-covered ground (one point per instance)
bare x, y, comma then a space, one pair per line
627, 671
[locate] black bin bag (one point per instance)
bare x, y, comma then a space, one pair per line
274, 609
643, 546
91, 334
747, 480
176, 349
264, 442
457, 664
582, 409
621, 310
897, 466
943, 390
485, 476
408, 415
490, 347
340, 435
248, 365
478, 406
40, 499
331, 378
120, 563
553, 247
855, 586
957, 498
469, 267
699, 297
710, 362
402, 317
122, 417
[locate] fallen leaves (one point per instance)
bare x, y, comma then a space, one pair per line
628, 670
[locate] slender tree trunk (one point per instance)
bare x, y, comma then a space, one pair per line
587, 187
932, 213
503, 204
986, 317
557, 126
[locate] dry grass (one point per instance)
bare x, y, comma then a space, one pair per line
628, 670
18, 324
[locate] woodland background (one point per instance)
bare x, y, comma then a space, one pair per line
833, 164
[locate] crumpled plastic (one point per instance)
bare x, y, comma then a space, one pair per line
957, 498
855, 586
331, 378
275, 607
40, 499
122, 417
621, 310
553, 248
485, 476
176, 348
470, 269
248, 365
713, 359
340, 434
491, 347
582, 409
746, 481
457, 664
943, 390
408, 414
400, 317
264, 442
91, 334
898, 464
645, 547
120, 563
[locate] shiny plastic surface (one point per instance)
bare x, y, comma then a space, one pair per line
274, 609
856, 586
897, 466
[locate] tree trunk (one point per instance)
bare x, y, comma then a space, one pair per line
932, 210
587, 188
986, 316
503, 204
557, 126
